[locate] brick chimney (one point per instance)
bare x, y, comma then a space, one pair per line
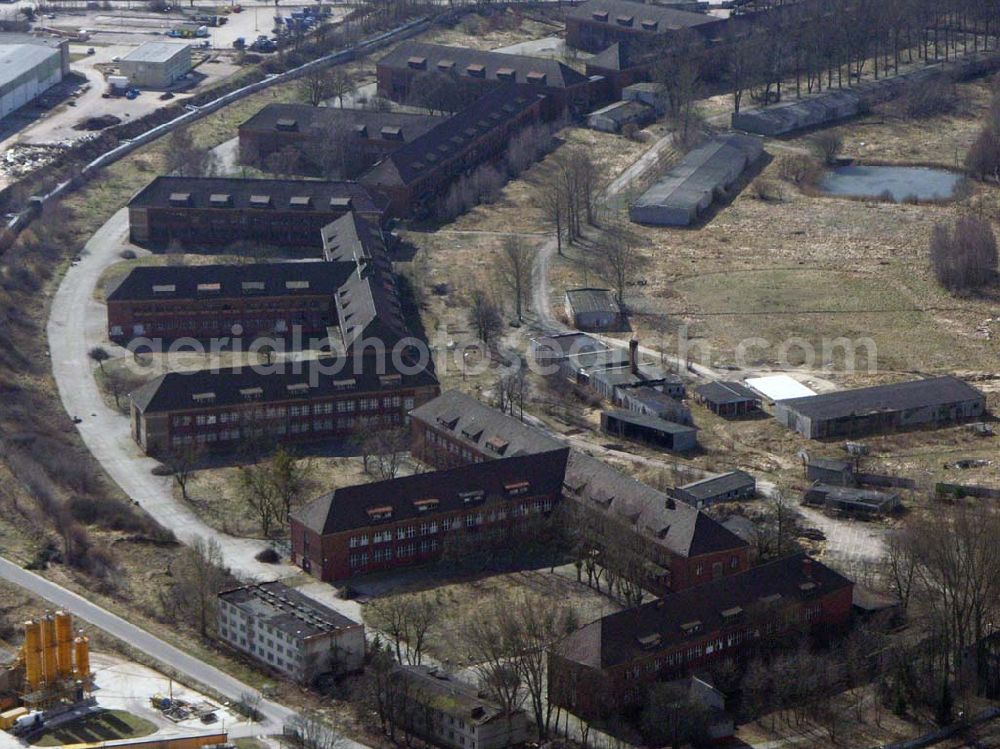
807, 567
633, 356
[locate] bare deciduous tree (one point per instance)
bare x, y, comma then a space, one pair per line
513, 269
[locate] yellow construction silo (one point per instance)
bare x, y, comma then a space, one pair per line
82, 645
32, 655
50, 660
64, 643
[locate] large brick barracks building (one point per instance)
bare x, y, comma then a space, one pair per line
326, 398
609, 663
410, 520
685, 547
213, 301
224, 210
597, 24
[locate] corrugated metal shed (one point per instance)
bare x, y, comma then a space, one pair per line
691, 186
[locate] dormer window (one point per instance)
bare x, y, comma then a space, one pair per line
298, 388
472, 434
476, 70
506, 74
600, 15
344, 384
376, 514
426, 505
287, 125
517, 489
209, 288
391, 133
689, 628
625, 20
417, 63
203, 398
340, 204
649, 25
390, 380
771, 599
296, 285
250, 286
472, 497
446, 66
165, 288
497, 445
648, 642
535, 76
220, 200
732, 613
251, 393
448, 421
180, 198
300, 202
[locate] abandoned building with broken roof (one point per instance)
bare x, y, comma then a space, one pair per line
359, 137
685, 547
226, 210
930, 402
608, 664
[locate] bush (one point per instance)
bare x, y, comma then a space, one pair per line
767, 190
964, 258
799, 170
127, 255
111, 515
930, 98
983, 159
828, 145
268, 556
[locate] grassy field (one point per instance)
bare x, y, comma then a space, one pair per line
107, 725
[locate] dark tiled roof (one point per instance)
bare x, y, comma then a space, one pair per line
557, 74
620, 56
567, 344
592, 300
930, 392
198, 193
304, 118
614, 640
147, 282
679, 527
452, 489
716, 485
726, 392
368, 301
415, 160
666, 19
286, 609
176, 391
436, 689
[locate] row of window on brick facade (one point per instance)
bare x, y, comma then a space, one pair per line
436, 440
471, 520
295, 427
279, 412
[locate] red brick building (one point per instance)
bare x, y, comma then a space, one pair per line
367, 134
226, 210
210, 301
686, 547
419, 173
412, 64
597, 24
411, 520
285, 402
611, 662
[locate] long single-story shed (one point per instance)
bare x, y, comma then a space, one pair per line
726, 487
929, 402
728, 399
650, 429
689, 188
851, 499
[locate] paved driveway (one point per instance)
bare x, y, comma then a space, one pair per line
77, 323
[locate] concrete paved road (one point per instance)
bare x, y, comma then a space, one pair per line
76, 324
274, 715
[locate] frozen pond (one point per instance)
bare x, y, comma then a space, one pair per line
895, 183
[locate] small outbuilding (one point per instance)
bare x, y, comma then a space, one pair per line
649, 429
593, 309
156, 64
726, 487
851, 499
615, 117
648, 93
728, 399
831, 471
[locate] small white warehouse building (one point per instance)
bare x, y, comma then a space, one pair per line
26, 71
156, 64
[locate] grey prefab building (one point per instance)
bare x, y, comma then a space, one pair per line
27, 71
593, 309
290, 632
934, 401
156, 64
650, 429
851, 499
726, 487
706, 173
